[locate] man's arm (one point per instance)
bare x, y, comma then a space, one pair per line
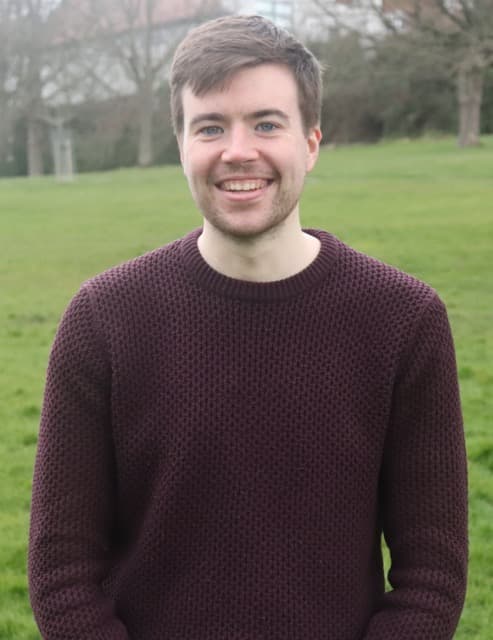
424, 491
73, 490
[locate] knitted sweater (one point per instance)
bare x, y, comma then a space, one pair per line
217, 458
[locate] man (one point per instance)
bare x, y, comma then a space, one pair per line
231, 421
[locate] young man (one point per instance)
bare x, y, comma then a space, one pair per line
231, 421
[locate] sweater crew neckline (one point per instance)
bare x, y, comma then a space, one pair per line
210, 279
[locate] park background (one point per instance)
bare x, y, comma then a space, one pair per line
416, 89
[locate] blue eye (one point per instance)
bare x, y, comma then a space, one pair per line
266, 127
211, 130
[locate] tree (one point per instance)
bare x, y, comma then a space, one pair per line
455, 33
7, 74
23, 71
124, 47
348, 105
32, 43
386, 91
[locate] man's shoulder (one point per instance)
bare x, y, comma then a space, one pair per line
139, 287
368, 277
382, 302
159, 269
368, 292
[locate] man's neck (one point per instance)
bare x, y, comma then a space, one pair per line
280, 253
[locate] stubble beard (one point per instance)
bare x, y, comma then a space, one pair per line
224, 222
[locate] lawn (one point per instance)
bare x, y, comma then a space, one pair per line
424, 206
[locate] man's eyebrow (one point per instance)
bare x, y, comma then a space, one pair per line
266, 113
209, 117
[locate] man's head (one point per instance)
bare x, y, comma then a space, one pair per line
213, 52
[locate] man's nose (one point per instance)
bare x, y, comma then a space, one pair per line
239, 146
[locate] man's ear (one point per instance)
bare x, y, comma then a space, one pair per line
313, 146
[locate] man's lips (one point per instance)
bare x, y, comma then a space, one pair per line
244, 189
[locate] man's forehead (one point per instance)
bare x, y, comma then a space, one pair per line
252, 89
213, 83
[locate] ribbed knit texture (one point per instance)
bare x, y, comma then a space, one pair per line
217, 458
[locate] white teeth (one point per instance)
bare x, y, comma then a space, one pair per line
243, 185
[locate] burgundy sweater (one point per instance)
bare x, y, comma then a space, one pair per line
217, 458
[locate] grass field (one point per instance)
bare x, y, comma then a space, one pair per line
423, 206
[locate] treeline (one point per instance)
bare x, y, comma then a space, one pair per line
105, 135
385, 91
389, 90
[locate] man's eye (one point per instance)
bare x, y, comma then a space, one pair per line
211, 130
266, 127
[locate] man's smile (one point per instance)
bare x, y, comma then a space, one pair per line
245, 184
244, 189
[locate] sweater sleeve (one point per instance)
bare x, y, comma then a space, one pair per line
424, 491
73, 488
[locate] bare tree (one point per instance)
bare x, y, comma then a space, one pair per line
457, 33
23, 71
124, 47
8, 73
32, 21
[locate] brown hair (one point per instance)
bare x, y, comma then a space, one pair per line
212, 52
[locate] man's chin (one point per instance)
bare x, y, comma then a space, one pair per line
244, 225
244, 231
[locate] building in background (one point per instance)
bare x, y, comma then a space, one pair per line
309, 21
282, 12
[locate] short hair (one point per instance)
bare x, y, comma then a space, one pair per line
214, 51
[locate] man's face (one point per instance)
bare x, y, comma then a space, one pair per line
244, 151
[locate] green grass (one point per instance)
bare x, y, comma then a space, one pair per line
425, 206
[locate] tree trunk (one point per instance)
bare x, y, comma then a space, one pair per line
33, 108
34, 147
470, 94
146, 151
